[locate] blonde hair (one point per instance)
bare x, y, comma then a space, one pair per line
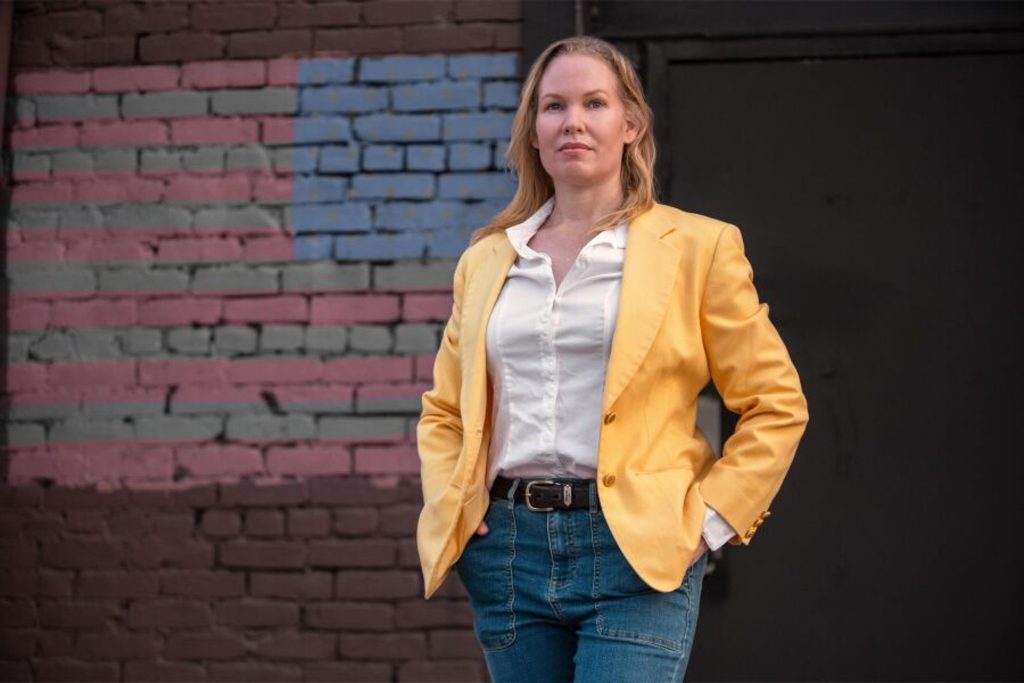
535, 185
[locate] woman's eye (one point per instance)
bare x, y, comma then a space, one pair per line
597, 102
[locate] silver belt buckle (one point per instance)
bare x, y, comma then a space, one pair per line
566, 495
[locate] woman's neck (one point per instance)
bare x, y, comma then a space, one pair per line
577, 209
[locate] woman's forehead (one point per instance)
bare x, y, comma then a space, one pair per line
576, 74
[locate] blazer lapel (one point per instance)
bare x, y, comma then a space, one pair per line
481, 294
648, 274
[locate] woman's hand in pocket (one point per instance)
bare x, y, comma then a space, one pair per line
482, 529
702, 547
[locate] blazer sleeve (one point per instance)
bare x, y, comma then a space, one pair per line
756, 379
439, 430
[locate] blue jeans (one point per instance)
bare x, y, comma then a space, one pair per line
554, 599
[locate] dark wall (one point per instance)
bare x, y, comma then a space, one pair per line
870, 154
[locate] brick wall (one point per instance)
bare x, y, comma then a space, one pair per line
314, 580
229, 251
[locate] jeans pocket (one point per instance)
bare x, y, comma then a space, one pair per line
628, 608
485, 569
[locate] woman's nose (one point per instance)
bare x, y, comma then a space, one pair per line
573, 120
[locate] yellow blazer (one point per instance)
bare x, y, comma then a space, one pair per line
688, 313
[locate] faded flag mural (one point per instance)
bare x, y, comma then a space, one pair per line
240, 268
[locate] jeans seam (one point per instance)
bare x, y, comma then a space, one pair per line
510, 637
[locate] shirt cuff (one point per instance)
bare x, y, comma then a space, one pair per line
717, 531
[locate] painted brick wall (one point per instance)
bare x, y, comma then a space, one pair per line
229, 249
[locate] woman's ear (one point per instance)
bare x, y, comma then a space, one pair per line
632, 130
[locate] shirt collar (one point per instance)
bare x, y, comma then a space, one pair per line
521, 233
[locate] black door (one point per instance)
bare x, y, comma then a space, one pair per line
873, 156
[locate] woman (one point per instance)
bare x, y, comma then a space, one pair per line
564, 477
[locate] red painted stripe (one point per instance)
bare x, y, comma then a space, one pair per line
136, 462
228, 186
109, 378
197, 75
156, 132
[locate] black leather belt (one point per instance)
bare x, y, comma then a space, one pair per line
544, 495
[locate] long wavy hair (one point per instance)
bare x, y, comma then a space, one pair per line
535, 185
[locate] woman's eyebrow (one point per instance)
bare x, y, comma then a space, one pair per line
589, 92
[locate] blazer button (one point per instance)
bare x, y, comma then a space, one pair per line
609, 418
609, 480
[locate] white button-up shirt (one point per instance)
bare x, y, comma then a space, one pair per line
547, 352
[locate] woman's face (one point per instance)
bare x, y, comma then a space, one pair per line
581, 124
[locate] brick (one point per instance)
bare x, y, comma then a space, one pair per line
401, 68
135, 79
169, 614
425, 157
90, 522
233, 16
437, 38
263, 554
73, 553
118, 646
264, 523
76, 23
428, 670
56, 108
377, 585
398, 127
257, 613
269, 43
404, 12
183, 47
343, 99
17, 613
452, 643
328, 217
350, 491
503, 94
253, 673
164, 105
203, 584
56, 670
355, 522
329, 672
16, 645
152, 18
255, 101
135, 585
350, 616
329, 14
486, 65
52, 82
390, 646
185, 554
298, 646
436, 96
306, 585
305, 523
352, 553
419, 615
204, 646
359, 40
308, 461
476, 185
221, 523
163, 672
508, 36
78, 615
306, 190
224, 74
393, 186
214, 131
476, 126
488, 10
